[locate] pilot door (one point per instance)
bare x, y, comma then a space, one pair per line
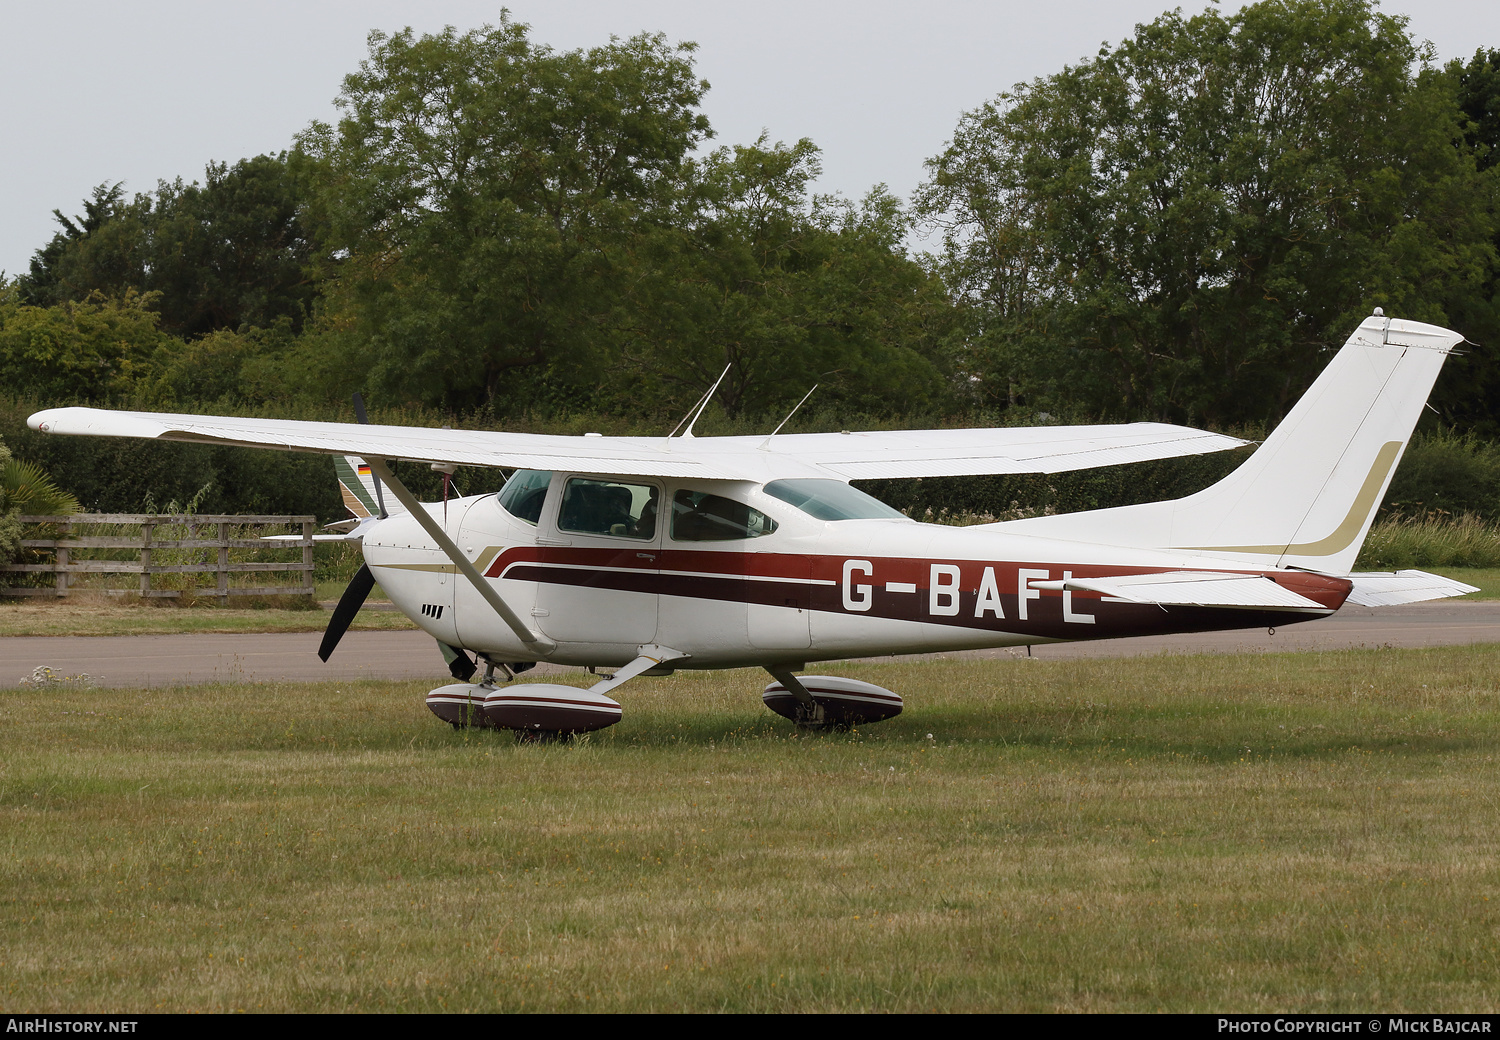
599, 572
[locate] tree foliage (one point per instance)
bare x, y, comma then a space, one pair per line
1468, 394
784, 289
231, 252
511, 222
1184, 225
97, 350
475, 186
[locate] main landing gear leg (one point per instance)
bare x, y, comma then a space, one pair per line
810, 714
652, 656
828, 702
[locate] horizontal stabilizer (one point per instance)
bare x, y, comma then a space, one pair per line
1191, 589
296, 539
1390, 588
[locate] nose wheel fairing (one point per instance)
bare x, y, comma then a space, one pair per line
537, 708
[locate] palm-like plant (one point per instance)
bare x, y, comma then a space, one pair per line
26, 488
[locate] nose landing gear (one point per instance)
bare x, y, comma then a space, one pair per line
540, 712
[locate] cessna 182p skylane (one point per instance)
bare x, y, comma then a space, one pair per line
650, 554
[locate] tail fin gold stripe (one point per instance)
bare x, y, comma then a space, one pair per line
1343, 536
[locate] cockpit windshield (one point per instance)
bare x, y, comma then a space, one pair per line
524, 494
829, 499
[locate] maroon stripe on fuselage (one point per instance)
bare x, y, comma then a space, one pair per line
983, 595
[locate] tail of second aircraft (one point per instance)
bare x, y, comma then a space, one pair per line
1307, 496
357, 487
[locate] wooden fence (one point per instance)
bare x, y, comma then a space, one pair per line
206, 536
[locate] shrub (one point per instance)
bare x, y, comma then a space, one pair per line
1447, 472
1433, 540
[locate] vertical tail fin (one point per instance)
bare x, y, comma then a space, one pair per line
357, 487
1307, 496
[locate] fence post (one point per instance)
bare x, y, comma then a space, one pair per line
62, 559
307, 557
146, 530
223, 571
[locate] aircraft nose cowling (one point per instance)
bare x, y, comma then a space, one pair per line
549, 707
845, 702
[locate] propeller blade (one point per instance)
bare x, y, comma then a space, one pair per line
349, 604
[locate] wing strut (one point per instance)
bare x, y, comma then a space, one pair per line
523, 631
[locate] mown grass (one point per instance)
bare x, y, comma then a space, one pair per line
1487, 579
1312, 832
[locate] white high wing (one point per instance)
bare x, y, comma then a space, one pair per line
648, 554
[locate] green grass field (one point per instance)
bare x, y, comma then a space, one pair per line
1273, 832
1487, 578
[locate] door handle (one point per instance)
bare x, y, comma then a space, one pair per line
645, 556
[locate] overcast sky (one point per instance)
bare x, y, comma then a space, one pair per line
149, 90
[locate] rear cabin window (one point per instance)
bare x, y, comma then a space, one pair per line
829, 499
700, 517
608, 507
525, 493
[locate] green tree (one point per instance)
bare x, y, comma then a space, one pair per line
11, 527
1479, 100
90, 351
25, 489
231, 252
1468, 394
45, 283
474, 187
1182, 226
785, 289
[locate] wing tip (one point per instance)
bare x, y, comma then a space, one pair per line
96, 421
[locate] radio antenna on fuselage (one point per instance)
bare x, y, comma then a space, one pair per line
359, 413
696, 412
767, 443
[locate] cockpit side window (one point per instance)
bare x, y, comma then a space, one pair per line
525, 493
608, 507
700, 517
828, 499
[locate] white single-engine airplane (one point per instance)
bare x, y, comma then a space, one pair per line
649, 554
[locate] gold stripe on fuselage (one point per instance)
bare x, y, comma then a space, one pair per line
486, 555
